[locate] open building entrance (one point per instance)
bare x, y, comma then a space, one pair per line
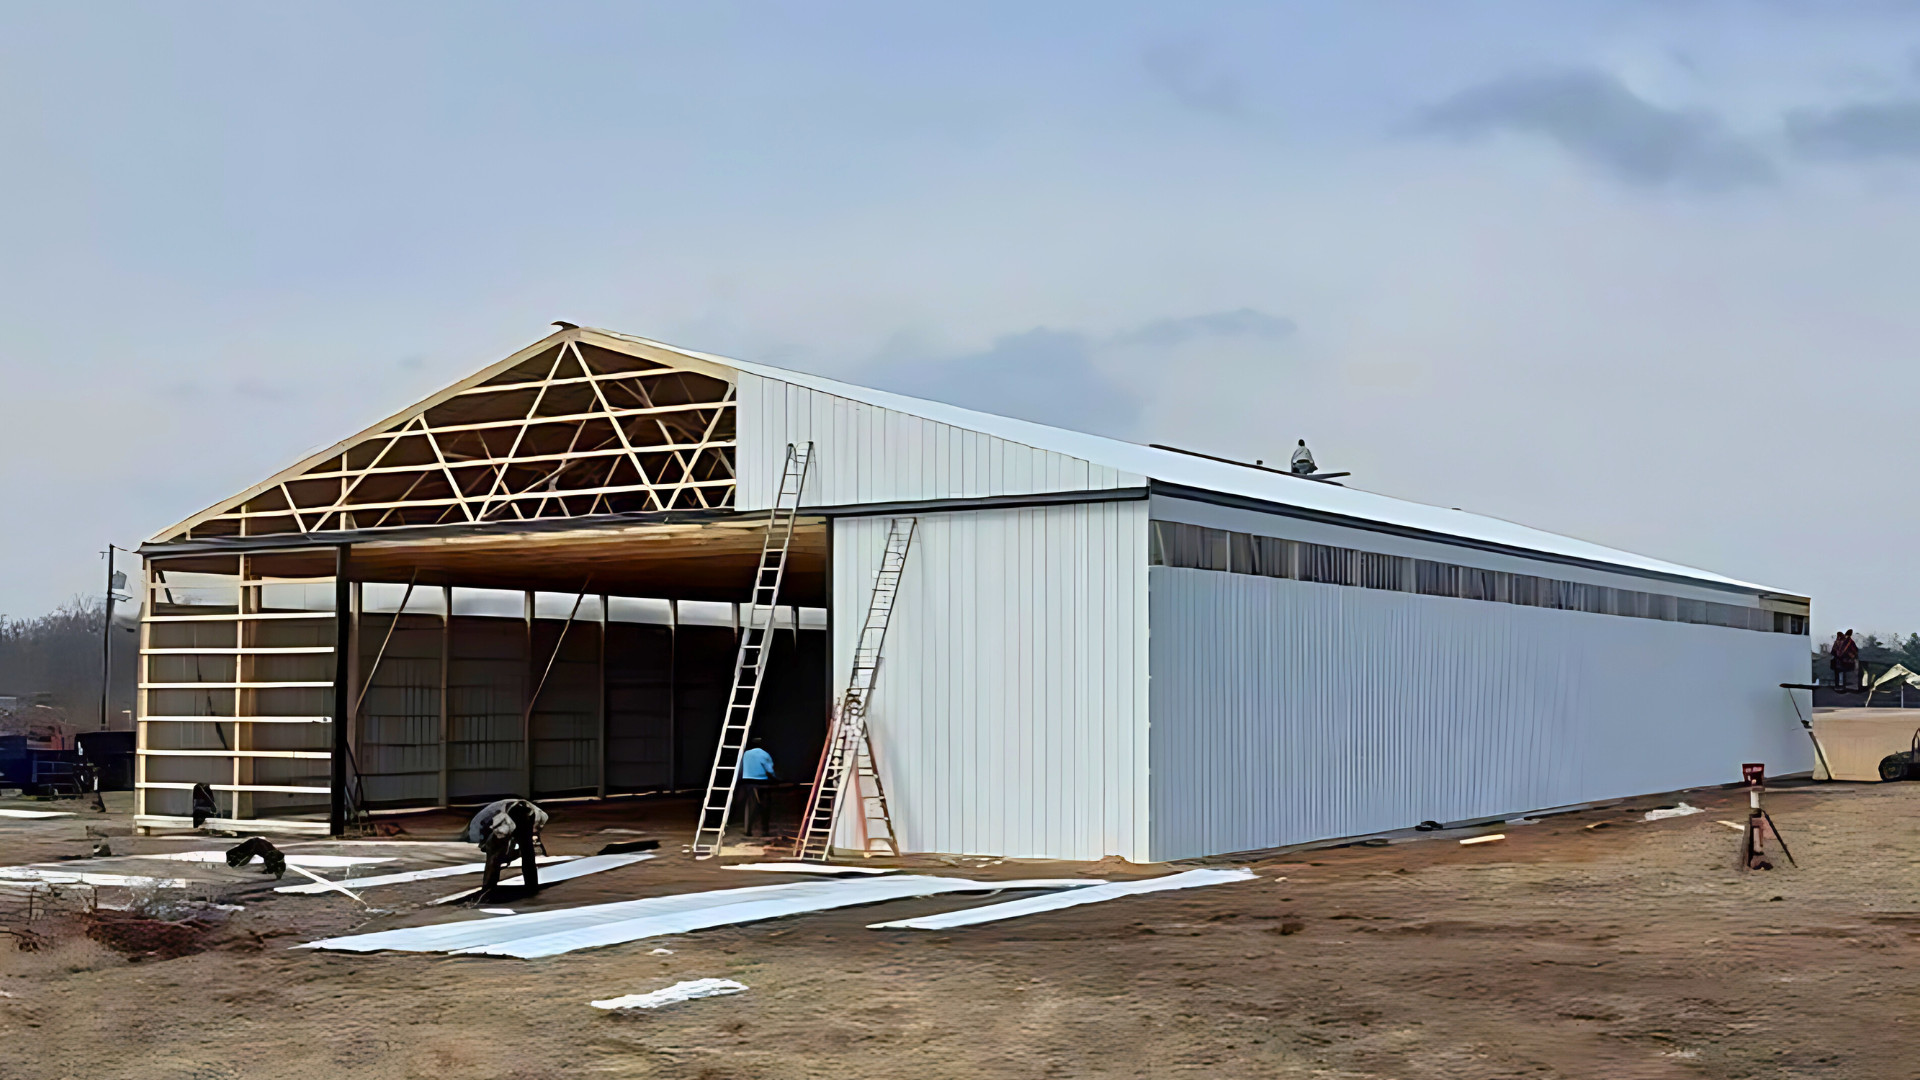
549, 661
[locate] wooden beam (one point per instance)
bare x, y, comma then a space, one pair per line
343, 648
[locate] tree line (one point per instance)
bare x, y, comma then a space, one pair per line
1877, 654
53, 662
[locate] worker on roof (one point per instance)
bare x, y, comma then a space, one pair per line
756, 776
501, 828
1303, 460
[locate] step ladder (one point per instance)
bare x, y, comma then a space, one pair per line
848, 761
756, 642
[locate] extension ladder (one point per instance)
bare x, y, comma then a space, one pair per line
848, 760
756, 642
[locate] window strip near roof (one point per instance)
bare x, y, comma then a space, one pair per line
1196, 547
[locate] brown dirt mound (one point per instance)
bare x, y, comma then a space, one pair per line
139, 936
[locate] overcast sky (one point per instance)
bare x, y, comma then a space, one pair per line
1643, 273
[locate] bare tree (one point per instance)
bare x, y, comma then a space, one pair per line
53, 661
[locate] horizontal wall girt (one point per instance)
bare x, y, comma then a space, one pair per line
303, 755
238, 719
291, 650
273, 825
275, 788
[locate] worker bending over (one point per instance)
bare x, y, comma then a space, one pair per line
499, 829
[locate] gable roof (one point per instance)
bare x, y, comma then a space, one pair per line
563, 380
1188, 470
1164, 466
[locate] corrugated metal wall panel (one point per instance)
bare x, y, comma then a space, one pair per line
398, 746
1285, 711
566, 717
1010, 714
486, 697
864, 453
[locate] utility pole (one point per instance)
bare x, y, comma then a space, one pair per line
116, 580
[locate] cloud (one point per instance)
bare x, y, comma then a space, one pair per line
1047, 376
261, 390
1243, 323
1882, 129
1057, 377
1182, 70
1593, 116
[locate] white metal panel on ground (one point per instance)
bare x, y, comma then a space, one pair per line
820, 869
678, 992
1285, 711
864, 453
1034, 905
308, 861
826, 896
314, 888
547, 933
566, 871
15, 874
1009, 716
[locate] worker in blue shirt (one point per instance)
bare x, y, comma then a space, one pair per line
756, 775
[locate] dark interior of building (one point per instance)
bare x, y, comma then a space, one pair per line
555, 662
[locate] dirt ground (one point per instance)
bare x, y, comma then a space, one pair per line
1631, 950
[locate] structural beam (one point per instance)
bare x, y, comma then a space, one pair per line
342, 648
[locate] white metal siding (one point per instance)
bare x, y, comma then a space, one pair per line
1010, 712
867, 454
1285, 711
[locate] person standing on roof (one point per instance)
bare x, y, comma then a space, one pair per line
502, 827
756, 775
1303, 460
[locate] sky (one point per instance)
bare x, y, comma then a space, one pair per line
1640, 273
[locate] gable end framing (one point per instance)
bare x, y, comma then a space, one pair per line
576, 425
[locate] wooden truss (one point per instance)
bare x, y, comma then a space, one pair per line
579, 424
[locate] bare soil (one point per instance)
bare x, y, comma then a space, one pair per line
1631, 950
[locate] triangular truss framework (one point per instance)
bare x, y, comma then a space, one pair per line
572, 430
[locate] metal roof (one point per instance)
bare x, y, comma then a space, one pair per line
1153, 464
1191, 471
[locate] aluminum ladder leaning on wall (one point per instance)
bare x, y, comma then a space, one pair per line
849, 755
756, 642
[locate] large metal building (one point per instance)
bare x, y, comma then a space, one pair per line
531, 583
